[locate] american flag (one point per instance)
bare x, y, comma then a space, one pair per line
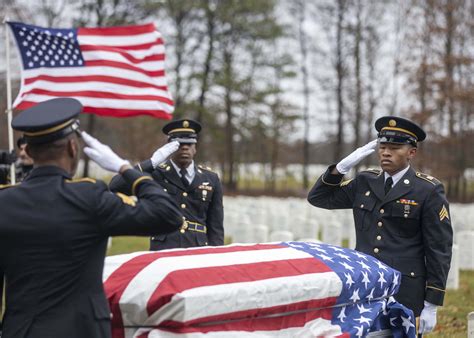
113, 71
290, 289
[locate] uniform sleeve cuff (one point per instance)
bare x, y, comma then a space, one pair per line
434, 295
331, 179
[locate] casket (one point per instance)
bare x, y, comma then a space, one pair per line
289, 289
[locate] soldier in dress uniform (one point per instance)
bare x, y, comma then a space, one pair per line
401, 216
54, 229
195, 188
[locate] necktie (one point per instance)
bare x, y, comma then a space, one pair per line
183, 173
388, 185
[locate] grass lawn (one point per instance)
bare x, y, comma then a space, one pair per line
452, 317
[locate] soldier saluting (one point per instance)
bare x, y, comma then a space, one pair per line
401, 216
195, 189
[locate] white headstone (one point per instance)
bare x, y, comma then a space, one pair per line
332, 233
465, 241
281, 236
470, 325
260, 233
453, 276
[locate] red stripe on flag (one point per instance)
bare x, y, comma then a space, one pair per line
102, 95
116, 64
118, 30
181, 280
128, 56
117, 282
255, 323
143, 46
94, 78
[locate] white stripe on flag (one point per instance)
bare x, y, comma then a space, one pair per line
118, 40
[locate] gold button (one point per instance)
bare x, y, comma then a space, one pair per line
165, 190
405, 215
379, 224
412, 274
382, 211
361, 205
183, 206
182, 231
185, 194
367, 193
376, 250
379, 238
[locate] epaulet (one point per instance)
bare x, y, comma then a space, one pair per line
203, 167
429, 178
5, 186
78, 180
373, 171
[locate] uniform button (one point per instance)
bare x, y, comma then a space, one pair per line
361, 205
165, 190
376, 250
412, 274
182, 231
205, 243
382, 211
183, 206
111, 315
405, 215
185, 194
379, 238
379, 224
153, 238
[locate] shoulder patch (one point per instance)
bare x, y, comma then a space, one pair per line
129, 200
373, 171
429, 178
5, 186
84, 179
345, 183
200, 166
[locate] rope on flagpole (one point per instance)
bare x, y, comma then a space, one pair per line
8, 111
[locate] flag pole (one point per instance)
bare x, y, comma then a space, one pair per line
9, 99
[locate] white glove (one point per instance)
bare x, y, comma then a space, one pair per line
102, 154
163, 153
346, 164
427, 318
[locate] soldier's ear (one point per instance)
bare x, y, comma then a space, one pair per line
72, 147
412, 152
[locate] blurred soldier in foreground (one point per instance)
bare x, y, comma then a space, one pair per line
54, 229
401, 216
23, 163
196, 189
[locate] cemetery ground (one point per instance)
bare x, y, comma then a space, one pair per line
452, 317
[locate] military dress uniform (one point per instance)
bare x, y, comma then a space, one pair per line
53, 237
200, 201
409, 228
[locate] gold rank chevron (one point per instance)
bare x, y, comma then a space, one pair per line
443, 213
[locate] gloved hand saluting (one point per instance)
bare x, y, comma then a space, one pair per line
102, 154
347, 163
427, 318
163, 153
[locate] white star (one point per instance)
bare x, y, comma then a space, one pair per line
324, 257
362, 309
370, 296
335, 248
363, 320
343, 256
342, 314
355, 296
347, 266
391, 321
28, 53
385, 292
360, 255
321, 250
366, 279
382, 266
363, 265
349, 280
395, 279
406, 322
381, 280
24, 43
360, 331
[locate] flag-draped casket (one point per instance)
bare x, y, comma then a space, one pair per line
290, 289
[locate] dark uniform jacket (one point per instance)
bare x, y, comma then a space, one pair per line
53, 238
409, 229
200, 203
